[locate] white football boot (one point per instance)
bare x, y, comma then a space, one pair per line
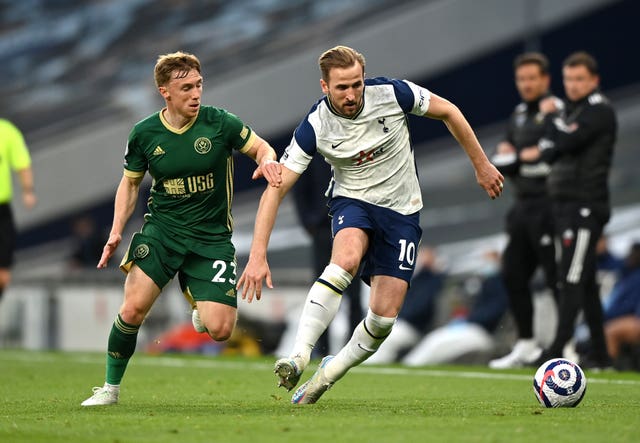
288, 373
525, 353
313, 388
105, 395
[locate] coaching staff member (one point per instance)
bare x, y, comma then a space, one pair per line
529, 223
580, 148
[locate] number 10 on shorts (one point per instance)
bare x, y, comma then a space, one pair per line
407, 252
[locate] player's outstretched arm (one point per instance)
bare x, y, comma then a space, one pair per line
257, 268
126, 198
487, 176
266, 158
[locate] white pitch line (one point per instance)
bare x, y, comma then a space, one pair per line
212, 363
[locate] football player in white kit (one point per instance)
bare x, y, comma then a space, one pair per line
360, 127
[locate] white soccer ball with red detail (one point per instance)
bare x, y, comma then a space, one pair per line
559, 383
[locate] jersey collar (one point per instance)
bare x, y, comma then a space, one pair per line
182, 130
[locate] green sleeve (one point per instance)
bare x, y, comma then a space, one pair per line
239, 136
134, 158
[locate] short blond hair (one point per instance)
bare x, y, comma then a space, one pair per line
339, 57
183, 62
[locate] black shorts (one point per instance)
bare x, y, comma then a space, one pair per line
7, 236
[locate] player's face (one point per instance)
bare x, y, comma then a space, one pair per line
578, 82
183, 93
344, 88
531, 82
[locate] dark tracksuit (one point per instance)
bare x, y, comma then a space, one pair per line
581, 151
529, 223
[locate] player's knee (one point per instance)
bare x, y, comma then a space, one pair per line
352, 264
219, 331
131, 314
219, 337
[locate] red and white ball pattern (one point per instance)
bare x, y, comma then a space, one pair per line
559, 383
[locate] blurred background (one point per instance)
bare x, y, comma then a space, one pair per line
78, 74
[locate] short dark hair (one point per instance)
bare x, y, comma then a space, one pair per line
582, 58
532, 58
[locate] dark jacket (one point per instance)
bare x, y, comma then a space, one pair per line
581, 150
525, 128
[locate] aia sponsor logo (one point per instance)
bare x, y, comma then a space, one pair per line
367, 156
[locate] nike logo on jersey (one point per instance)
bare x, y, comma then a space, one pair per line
340, 219
404, 268
334, 146
158, 151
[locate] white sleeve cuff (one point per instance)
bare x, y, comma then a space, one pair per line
295, 158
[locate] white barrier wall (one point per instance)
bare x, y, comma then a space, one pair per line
84, 317
74, 317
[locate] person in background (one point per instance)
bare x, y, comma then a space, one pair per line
622, 307
418, 312
471, 334
579, 146
14, 156
529, 223
88, 242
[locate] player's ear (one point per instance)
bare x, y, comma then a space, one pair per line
163, 92
324, 86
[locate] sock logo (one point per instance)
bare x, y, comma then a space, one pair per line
313, 302
370, 351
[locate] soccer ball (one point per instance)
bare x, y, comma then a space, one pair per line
559, 383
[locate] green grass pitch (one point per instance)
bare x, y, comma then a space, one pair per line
231, 399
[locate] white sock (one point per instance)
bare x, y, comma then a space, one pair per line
321, 306
366, 339
112, 387
403, 336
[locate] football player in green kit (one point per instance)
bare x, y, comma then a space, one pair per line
187, 149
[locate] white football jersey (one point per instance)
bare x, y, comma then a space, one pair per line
370, 154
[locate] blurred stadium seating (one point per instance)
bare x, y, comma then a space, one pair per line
66, 59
